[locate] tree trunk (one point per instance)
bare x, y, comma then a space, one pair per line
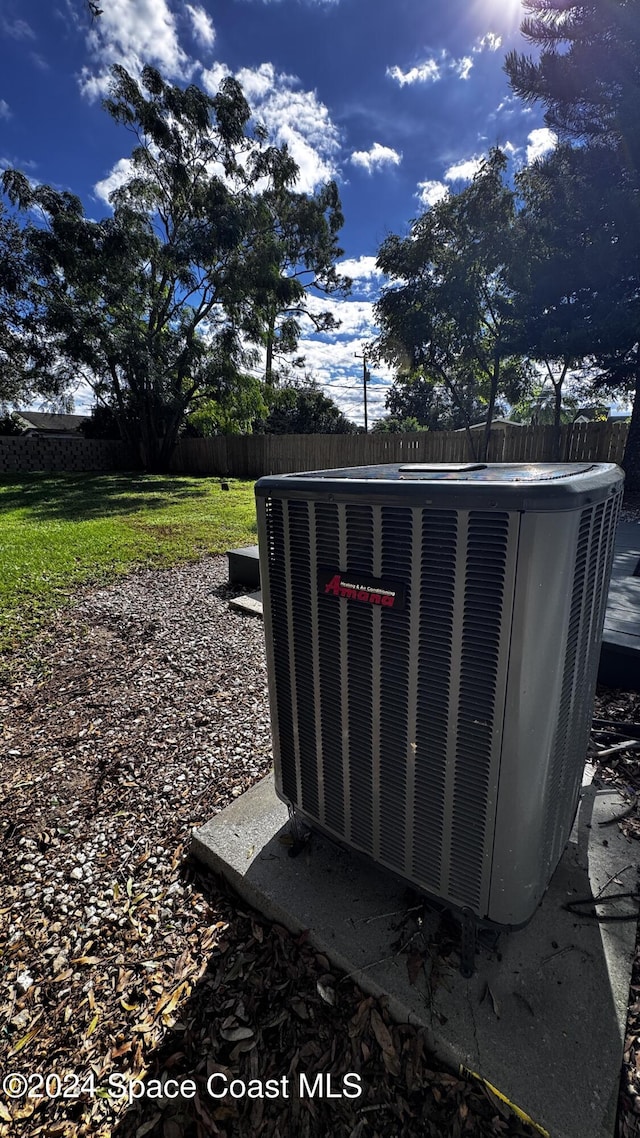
470, 443
149, 441
271, 332
557, 414
169, 443
453, 391
493, 391
631, 460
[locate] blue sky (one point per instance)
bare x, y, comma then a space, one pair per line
396, 99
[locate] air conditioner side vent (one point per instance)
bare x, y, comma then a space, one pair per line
278, 561
328, 556
439, 540
486, 563
359, 679
594, 554
397, 539
300, 603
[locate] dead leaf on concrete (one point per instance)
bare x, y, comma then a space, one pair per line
415, 964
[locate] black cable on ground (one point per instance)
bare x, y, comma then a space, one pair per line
631, 730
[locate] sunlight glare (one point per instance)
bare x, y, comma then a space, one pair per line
503, 16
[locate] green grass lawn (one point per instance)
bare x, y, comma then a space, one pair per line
58, 531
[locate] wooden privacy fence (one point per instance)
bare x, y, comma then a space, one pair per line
250, 456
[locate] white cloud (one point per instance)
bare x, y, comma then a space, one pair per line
84, 399
431, 192
335, 366
211, 77
14, 162
509, 106
5, 110
311, 3
202, 26
364, 273
133, 33
463, 171
259, 82
540, 142
359, 268
292, 116
331, 357
17, 29
356, 317
432, 69
489, 42
375, 158
427, 72
119, 174
462, 67
304, 124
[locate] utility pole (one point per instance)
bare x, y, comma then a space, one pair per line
365, 380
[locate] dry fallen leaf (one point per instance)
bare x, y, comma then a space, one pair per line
233, 1034
93, 1025
148, 1126
494, 1003
23, 1043
415, 963
385, 1042
326, 993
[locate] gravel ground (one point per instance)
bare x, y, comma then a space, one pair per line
631, 508
140, 714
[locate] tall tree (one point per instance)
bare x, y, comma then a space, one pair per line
587, 77
12, 361
554, 276
448, 318
294, 262
305, 410
391, 425
155, 304
20, 334
231, 411
428, 403
587, 74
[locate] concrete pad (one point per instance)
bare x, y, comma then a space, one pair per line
252, 603
543, 1018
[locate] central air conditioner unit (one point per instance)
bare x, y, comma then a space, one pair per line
433, 636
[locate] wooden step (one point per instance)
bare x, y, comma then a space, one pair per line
244, 567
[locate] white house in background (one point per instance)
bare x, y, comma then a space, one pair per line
498, 424
43, 425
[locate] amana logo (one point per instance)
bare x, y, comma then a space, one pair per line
366, 590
